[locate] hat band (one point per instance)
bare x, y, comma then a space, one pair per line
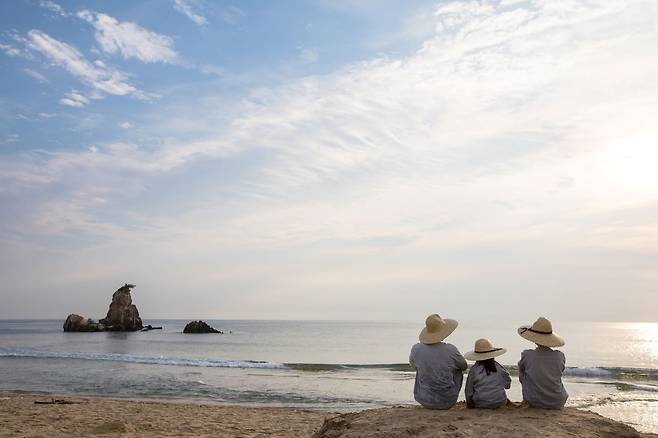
487, 351
530, 329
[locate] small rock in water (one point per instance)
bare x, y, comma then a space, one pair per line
199, 327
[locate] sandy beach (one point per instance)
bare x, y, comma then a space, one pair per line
20, 416
87, 416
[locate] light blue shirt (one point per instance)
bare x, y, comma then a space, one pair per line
439, 374
540, 374
487, 390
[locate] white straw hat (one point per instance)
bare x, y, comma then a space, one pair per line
541, 333
484, 349
436, 329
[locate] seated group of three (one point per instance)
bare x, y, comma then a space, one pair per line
440, 366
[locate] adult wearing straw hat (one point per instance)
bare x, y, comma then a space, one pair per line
439, 365
540, 370
487, 379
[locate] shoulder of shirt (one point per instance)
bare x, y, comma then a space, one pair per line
451, 347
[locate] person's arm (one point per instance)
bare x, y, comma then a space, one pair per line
469, 389
460, 362
508, 380
521, 369
564, 361
411, 359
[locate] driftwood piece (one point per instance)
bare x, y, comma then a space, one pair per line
55, 401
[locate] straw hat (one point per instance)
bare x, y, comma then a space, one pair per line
541, 333
484, 349
436, 329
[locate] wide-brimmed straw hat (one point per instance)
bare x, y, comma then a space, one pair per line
484, 350
541, 333
436, 329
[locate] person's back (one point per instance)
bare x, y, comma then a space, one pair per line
540, 370
540, 374
439, 374
485, 388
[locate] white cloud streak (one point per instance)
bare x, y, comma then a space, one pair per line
36, 75
74, 99
68, 57
185, 7
53, 7
11, 50
130, 40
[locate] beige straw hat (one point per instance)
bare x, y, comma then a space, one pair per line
484, 349
541, 333
436, 329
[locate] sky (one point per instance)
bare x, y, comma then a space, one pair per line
322, 159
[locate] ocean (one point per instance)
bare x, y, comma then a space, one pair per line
330, 365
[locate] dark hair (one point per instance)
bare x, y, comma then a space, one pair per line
489, 365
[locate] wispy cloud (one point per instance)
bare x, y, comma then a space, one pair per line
232, 14
100, 77
11, 50
309, 54
130, 40
36, 75
11, 138
186, 8
53, 7
74, 99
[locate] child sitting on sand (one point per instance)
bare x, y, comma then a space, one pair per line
540, 370
439, 366
487, 379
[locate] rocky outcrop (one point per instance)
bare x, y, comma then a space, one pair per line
77, 323
121, 316
513, 420
199, 327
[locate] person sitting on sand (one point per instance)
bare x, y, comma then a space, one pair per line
540, 370
439, 365
487, 379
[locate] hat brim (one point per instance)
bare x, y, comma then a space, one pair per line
434, 338
551, 340
472, 355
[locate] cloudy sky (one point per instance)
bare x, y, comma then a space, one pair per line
330, 159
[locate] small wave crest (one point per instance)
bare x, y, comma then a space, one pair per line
114, 357
587, 372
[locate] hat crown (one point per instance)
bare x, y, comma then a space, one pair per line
434, 323
483, 345
543, 325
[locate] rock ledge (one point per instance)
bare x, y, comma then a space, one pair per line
513, 420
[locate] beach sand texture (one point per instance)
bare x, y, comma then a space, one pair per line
20, 416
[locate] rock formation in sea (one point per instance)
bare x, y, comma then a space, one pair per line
121, 316
199, 327
77, 323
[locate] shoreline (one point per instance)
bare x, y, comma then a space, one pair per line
100, 415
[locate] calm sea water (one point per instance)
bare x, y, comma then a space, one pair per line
333, 365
